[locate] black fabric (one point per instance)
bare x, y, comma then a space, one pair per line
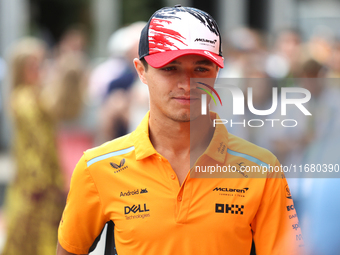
124, 81
94, 245
110, 247
253, 251
143, 48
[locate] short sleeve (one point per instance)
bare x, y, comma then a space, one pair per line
83, 219
276, 228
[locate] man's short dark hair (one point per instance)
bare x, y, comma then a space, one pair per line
145, 64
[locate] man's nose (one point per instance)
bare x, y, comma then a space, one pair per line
184, 81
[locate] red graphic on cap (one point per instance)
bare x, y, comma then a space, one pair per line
159, 39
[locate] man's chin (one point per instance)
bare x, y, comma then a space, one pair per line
181, 117
186, 116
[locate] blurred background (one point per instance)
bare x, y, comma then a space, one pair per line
86, 91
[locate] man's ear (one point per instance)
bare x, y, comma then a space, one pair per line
140, 70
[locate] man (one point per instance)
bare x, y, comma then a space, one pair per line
141, 184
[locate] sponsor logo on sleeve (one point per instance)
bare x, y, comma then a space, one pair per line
290, 208
299, 237
296, 226
292, 216
288, 195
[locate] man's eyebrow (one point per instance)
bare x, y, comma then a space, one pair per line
204, 62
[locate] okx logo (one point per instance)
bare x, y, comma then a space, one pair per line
119, 167
229, 208
204, 97
136, 208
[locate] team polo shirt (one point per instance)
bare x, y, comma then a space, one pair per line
127, 182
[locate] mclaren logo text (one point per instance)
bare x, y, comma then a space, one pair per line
230, 190
205, 40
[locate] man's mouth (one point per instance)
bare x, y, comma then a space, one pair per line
186, 99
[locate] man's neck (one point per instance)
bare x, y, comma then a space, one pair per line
177, 138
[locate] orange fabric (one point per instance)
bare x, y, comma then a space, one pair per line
128, 182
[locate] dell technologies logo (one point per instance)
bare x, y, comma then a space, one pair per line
135, 208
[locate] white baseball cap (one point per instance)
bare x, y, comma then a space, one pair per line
173, 32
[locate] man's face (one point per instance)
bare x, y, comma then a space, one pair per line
171, 94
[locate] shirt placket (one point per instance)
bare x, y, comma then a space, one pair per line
181, 194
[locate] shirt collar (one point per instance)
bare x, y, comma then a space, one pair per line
143, 145
216, 150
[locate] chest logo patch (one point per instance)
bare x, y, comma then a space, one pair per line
139, 211
119, 167
229, 208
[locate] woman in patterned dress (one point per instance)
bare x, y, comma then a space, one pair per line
35, 199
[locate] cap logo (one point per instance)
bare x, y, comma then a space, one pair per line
208, 53
205, 40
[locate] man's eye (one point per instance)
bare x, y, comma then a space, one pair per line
202, 69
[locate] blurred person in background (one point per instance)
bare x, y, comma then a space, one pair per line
262, 97
322, 123
245, 49
73, 40
3, 68
319, 196
286, 59
36, 197
68, 65
2, 75
314, 139
113, 82
334, 61
319, 46
68, 69
114, 66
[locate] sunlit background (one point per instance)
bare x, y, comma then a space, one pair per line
263, 38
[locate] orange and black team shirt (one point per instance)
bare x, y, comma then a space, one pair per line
126, 182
